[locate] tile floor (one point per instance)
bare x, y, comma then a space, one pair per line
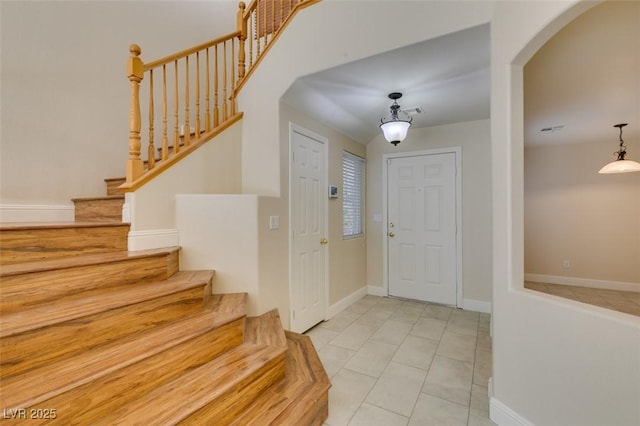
623, 301
398, 362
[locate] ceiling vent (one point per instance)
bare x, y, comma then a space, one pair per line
413, 111
552, 129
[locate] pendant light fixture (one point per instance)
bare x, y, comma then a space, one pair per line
620, 165
395, 130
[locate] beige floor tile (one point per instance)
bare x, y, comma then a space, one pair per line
372, 358
341, 321
375, 317
428, 328
363, 305
354, 336
482, 368
462, 326
321, 336
398, 388
484, 340
457, 346
392, 332
417, 352
414, 304
389, 303
333, 358
433, 411
468, 315
475, 420
408, 315
449, 379
437, 312
435, 357
479, 401
370, 415
348, 390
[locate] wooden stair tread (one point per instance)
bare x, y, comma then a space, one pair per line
294, 400
194, 390
18, 322
265, 329
40, 384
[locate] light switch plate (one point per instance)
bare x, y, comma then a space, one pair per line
274, 222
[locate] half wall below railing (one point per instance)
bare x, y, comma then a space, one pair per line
190, 96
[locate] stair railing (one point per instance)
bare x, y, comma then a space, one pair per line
211, 73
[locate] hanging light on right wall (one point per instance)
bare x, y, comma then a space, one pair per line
620, 165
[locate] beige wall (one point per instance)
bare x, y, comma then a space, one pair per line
475, 139
212, 169
555, 361
65, 96
347, 258
573, 213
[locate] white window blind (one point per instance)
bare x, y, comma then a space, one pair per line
352, 195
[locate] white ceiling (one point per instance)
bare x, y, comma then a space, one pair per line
449, 77
586, 79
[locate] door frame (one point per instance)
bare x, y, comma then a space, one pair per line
295, 128
457, 151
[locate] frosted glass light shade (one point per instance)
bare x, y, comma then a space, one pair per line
620, 166
395, 131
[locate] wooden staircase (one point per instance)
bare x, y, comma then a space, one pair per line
93, 334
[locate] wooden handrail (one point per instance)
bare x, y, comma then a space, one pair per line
227, 62
177, 56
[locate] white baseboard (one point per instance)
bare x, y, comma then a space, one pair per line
505, 416
344, 303
375, 290
583, 282
156, 238
37, 213
476, 306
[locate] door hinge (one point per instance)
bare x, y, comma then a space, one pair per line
294, 314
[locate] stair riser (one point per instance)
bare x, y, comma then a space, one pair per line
91, 401
113, 184
24, 245
99, 210
38, 288
31, 349
223, 410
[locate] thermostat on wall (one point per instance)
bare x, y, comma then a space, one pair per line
333, 192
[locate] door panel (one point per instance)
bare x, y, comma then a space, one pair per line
421, 233
308, 219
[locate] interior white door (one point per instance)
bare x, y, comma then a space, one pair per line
308, 204
421, 228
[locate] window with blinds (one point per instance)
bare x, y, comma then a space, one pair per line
352, 195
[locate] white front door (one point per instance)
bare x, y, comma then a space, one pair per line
421, 227
308, 206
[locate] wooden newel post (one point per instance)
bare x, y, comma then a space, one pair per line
135, 73
242, 28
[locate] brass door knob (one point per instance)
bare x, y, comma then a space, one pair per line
392, 234
324, 241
